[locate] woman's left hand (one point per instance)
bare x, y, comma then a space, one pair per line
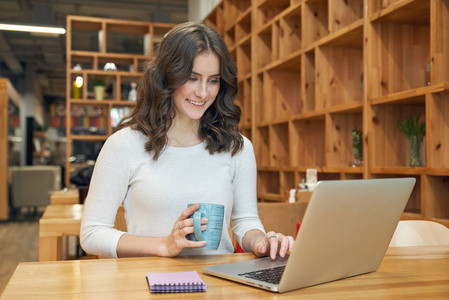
272, 244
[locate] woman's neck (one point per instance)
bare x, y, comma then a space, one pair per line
184, 133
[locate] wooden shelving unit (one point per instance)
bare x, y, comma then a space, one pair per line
8, 96
95, 122
317, 69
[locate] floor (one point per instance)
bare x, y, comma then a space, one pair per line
19, 242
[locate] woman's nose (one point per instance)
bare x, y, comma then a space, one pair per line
201, 90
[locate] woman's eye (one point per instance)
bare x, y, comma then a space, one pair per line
214, 80
192, 78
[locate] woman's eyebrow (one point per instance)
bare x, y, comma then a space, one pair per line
215, 75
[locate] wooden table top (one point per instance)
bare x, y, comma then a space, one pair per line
61, 220
65, 211
406, 273
64, 197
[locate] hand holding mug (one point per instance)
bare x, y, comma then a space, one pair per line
183, 226
214, 213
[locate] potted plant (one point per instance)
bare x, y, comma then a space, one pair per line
415, 132
99, 87
357, 146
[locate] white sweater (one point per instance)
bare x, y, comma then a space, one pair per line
154, 193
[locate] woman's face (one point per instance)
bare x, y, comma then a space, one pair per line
195, 96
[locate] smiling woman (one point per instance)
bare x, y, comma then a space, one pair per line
193, 98
180, 145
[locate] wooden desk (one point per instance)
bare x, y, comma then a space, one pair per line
56, 222
406, 273
65, 197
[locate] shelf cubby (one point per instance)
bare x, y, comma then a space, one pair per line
246, 132
339, 126
308, 82
282, 91
403, 54
436, 192
229, 37
262, 147
244, 59
89, 30
264, 47
438, 131
290, 33
279, 145
215, 19
243, 27
439, 33
344, 12
350, 36
307, 142
127, 39
269, 182
352, 176
260, 107
124, 86
288, 180
328, 176
235, 8
315, 20
117, 113
111, 88
243, 100
158, 31
338, 76
388, 145
400, 11
267, 10
83, 151
89, 119
83, 61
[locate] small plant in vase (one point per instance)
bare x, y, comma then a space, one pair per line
357, 146
415, 132
99, 87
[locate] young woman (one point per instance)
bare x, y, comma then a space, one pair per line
180, 145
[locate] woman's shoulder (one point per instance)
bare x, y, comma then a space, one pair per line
128, 136
247, 144
246, 150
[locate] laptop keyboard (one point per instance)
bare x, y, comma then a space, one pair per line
270, 275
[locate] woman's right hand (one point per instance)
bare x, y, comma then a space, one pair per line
177, 240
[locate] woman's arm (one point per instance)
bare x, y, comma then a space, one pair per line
169, 246
246, 220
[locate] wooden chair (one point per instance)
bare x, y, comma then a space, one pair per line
120, 223
420, 233
281, 217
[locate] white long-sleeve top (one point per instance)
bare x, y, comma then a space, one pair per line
154, 193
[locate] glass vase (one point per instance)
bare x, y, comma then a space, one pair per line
416, 159
357, 149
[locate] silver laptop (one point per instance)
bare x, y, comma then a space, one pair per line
345, 232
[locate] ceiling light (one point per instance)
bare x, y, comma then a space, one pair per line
28, 28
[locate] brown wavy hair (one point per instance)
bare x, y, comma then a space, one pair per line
169, 69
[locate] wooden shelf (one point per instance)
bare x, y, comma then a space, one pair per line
310, 71
9, 97
100, 116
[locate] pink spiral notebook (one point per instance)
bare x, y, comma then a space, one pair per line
175, 282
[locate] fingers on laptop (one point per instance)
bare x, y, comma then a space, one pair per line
279, 244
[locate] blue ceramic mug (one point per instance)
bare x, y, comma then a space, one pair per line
212, 235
